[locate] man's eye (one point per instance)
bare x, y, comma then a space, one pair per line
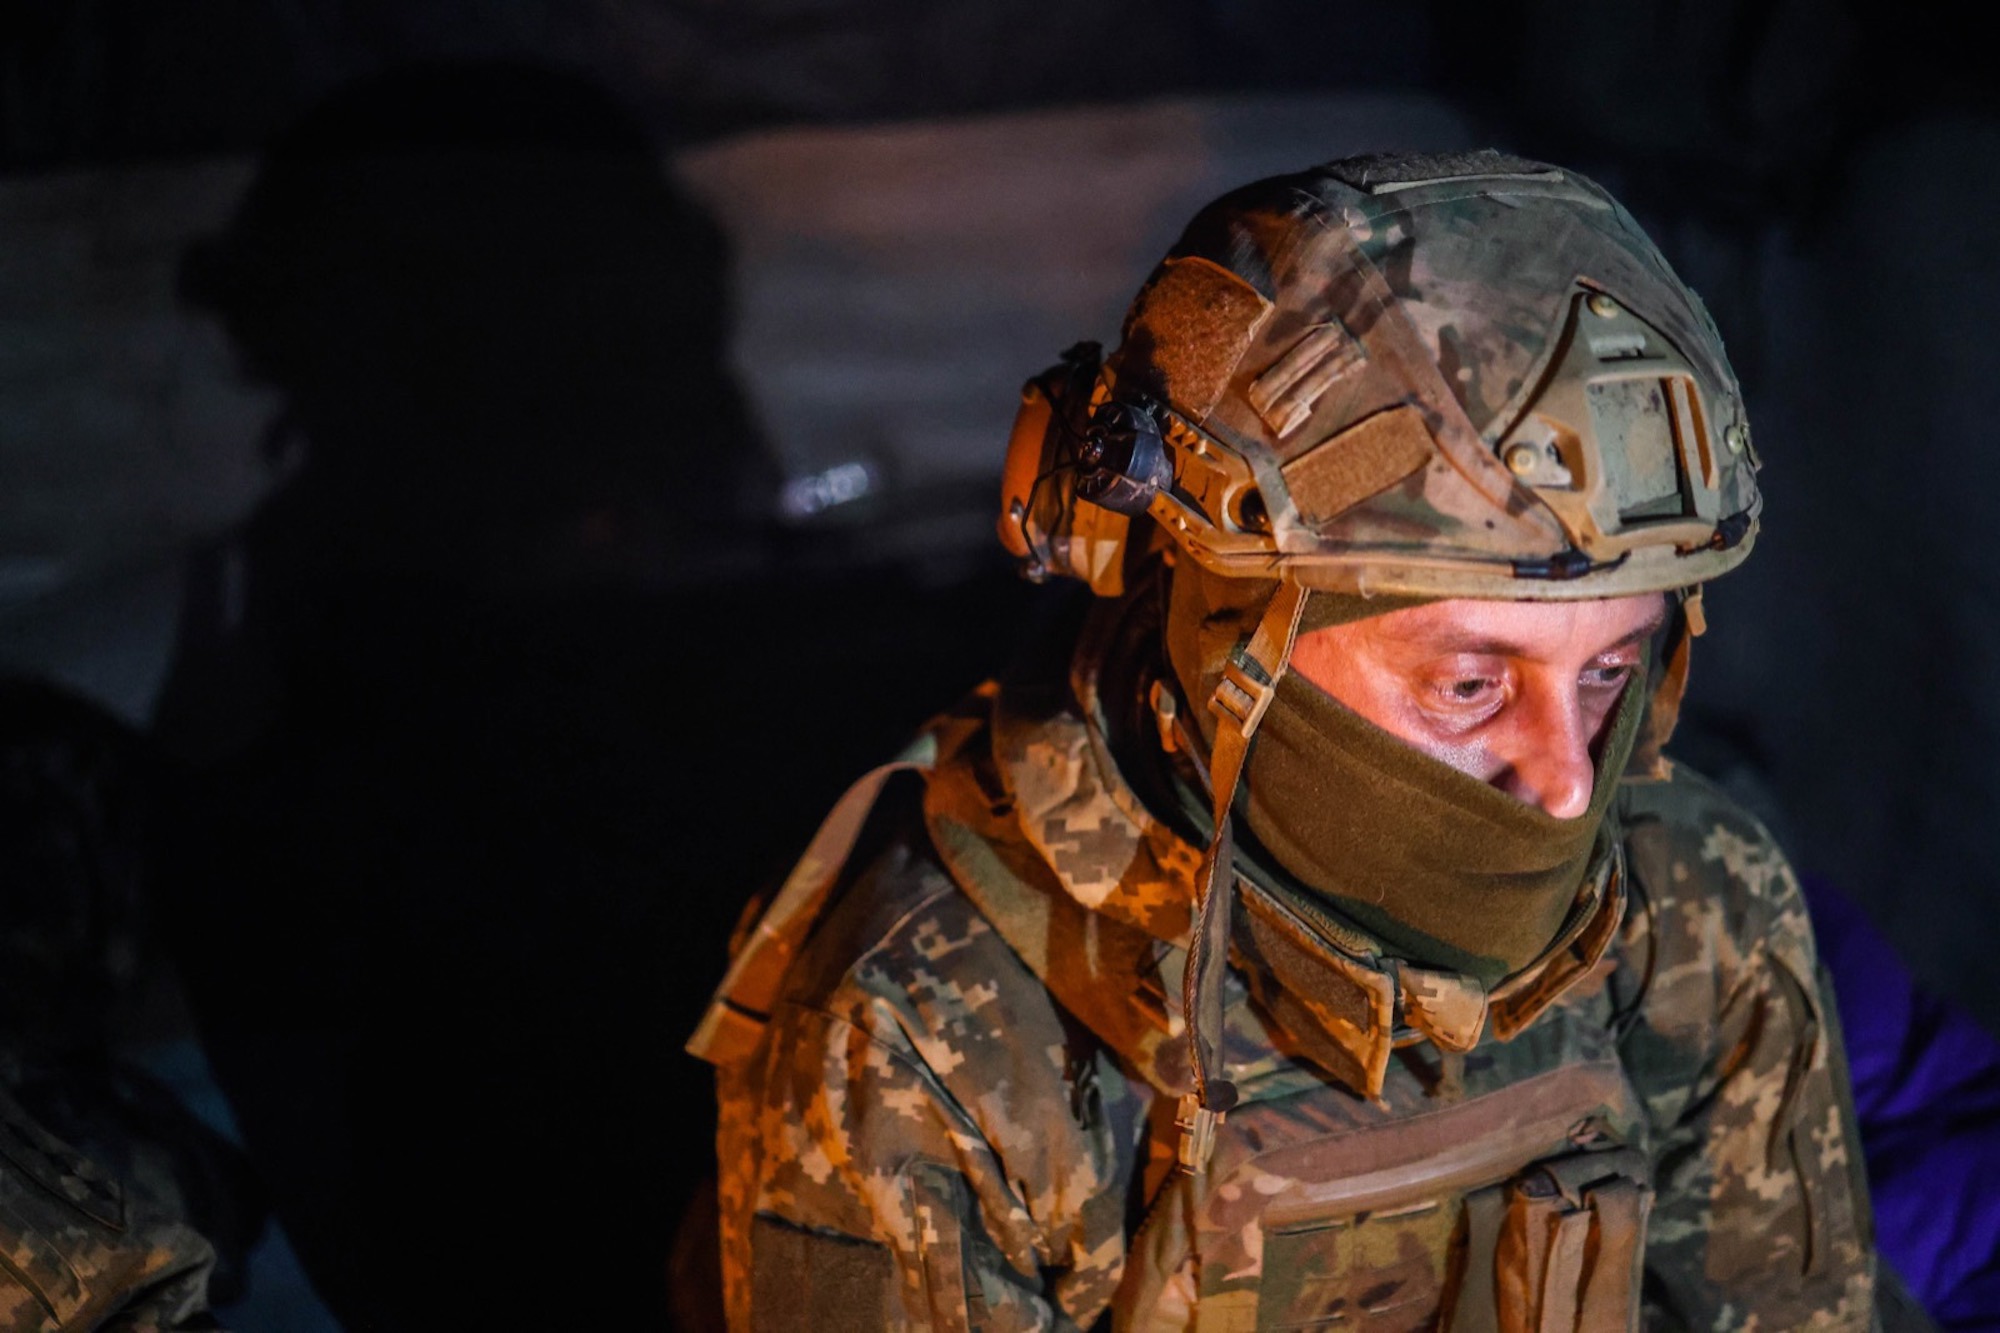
1467, 691
1606, 677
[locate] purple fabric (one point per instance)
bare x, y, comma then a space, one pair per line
1927, 1093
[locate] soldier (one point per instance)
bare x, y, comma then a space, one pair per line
104, 1175
80, 1251
1408, 987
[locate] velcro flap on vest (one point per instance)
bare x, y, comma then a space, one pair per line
802, 1277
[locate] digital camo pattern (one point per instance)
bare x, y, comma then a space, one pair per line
922, 1093
77, 1252
1762, 1219
943, 1129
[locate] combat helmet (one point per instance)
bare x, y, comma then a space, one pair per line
1454, 375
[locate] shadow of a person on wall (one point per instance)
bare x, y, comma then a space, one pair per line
447, 897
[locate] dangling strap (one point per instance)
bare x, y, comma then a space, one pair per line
1248, 682
741, 1009
1664, 712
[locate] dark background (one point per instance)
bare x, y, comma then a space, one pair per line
515, 462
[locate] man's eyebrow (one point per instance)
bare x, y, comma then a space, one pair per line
1654, 624
1444, 642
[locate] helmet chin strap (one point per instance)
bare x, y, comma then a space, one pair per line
1240, 700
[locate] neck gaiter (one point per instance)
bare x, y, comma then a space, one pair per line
1443, 869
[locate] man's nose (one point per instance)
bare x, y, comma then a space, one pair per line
1549, 761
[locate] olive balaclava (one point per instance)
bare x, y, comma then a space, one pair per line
1354, 828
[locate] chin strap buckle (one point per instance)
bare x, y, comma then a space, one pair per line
1244, 692
1197, 1124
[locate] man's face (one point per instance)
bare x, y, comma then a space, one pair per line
1516, 694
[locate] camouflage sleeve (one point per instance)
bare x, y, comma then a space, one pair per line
926, 1141
1761, 1218
77, 1251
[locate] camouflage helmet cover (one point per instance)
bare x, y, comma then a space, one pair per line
1441, 375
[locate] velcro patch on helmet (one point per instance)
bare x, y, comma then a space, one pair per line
1285, 394
1192, 325
1386, 173
1370, 456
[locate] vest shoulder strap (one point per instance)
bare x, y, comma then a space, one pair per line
740, 1010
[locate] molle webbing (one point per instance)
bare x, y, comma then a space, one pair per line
1516, 1209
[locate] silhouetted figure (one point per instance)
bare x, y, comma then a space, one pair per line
435, 878
504, 703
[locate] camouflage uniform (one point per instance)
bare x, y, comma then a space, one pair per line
78, 1252
957, 1075
962, 1116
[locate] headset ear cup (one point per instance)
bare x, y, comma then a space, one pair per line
1038, 499
1030, 450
